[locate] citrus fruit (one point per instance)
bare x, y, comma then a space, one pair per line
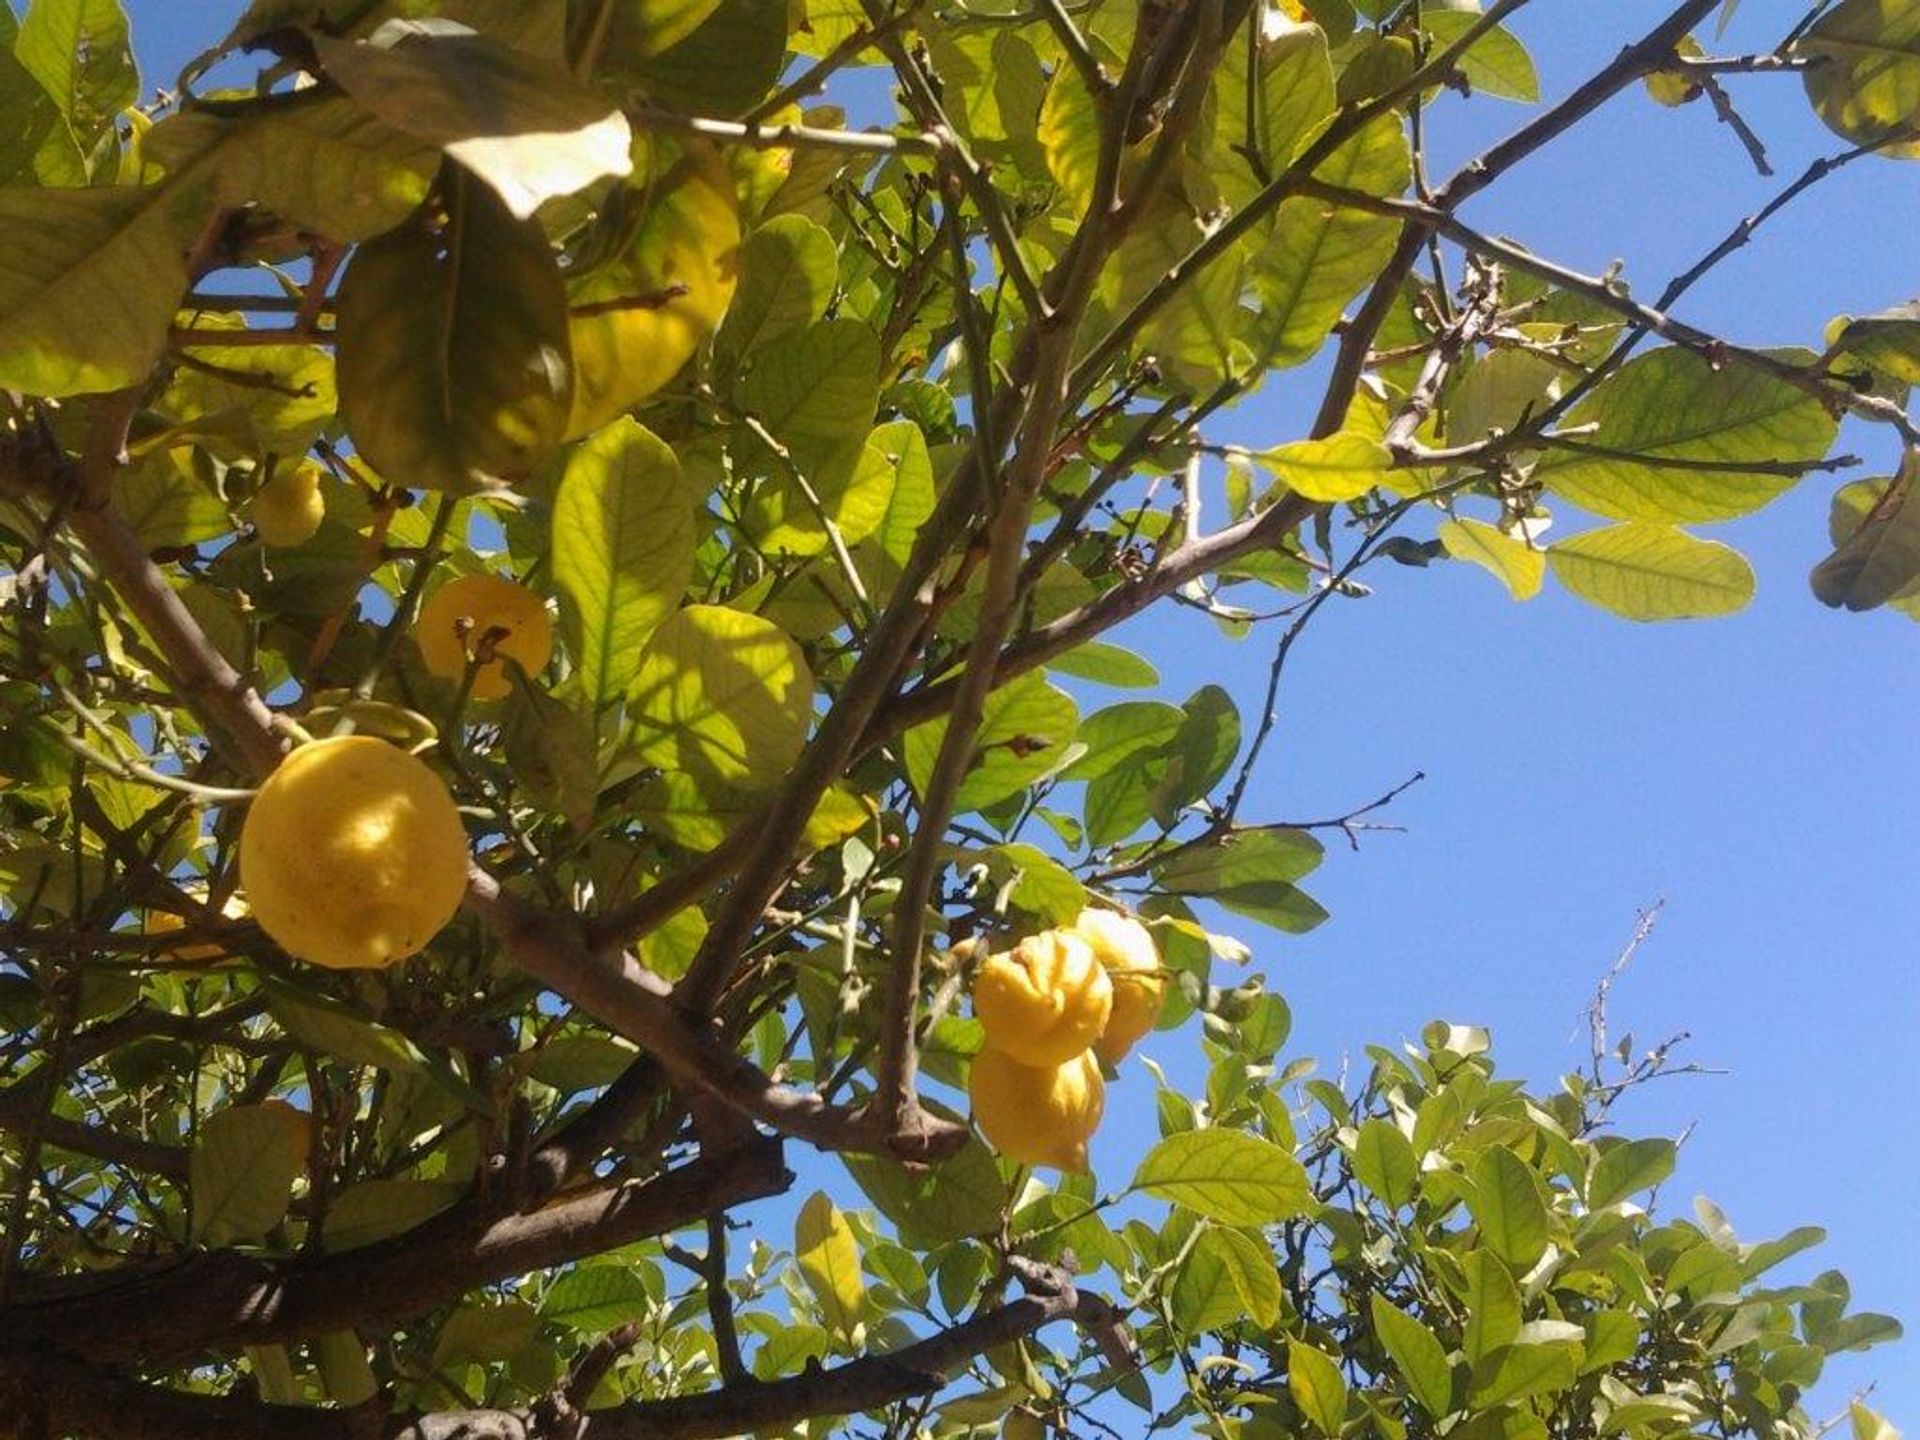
1045, 1000
1038, 1115
289, 507
490, 611
353, 855
1132, 961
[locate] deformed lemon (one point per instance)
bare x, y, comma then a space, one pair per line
1038, 1115
1045, 1000
290, 507
1125, 948
490, 611
353, 855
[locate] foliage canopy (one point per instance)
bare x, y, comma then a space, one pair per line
840, 374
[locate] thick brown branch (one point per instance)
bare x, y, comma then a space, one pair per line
227, 1299
628, 998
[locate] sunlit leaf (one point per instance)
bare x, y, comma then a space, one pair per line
1653, 572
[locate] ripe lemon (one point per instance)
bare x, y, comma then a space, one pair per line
1038, 1115
353, 855
290, 507
1045, 1000
475, 610
1132, 961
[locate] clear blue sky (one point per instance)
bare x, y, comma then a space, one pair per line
1758, 773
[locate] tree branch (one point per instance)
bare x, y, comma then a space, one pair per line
223, 1299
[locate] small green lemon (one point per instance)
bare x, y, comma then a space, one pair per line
1038, 1115
1132, 961
1045, 1000
353, 855
289, 507
484, 610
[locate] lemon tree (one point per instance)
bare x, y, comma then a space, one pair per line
561, 574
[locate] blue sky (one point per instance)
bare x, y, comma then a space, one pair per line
1757, 773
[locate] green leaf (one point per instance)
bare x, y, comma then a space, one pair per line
517, 122
1493, 1307
952, 1200
1204, 1296
1417, 1354
1870, 1424
90, 285
453, 349
854, 500
340, 1357
1626, 1167
242, 1169
646, 28
1671, 405
1384, 1162
1105, 664
323, 164
829, 1261
788, 270
1516, 564
815, 389
623, 547
1199, 755
596, 1298
1877, 557
1508, 1205
1317, 256
1653, 572
377, 1209
1544, 1358
1256, 1277
1257, 137
1495, 64
332, 1029
1226, 1175
1041, 885
727, 64
1116, 734
1025, 732
1888, 343
639, 317
1317, 1386
1864, 81
80, 53
1241, 857
1341, 467
721, 696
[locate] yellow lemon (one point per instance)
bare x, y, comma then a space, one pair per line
1045, 1000
165, 922
1038, 1115
484, 610
290, 507
353, 855
1132, 961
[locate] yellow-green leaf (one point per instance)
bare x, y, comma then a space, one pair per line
1671, 405
623, 543
1864, 81
241, 1172
453, 351
521, 124
1877, 554
829, 1262
639, 318
1317, 1386
1653, 572
1515, 563
1341, 467
88, 285
722, 696
1226, 1175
